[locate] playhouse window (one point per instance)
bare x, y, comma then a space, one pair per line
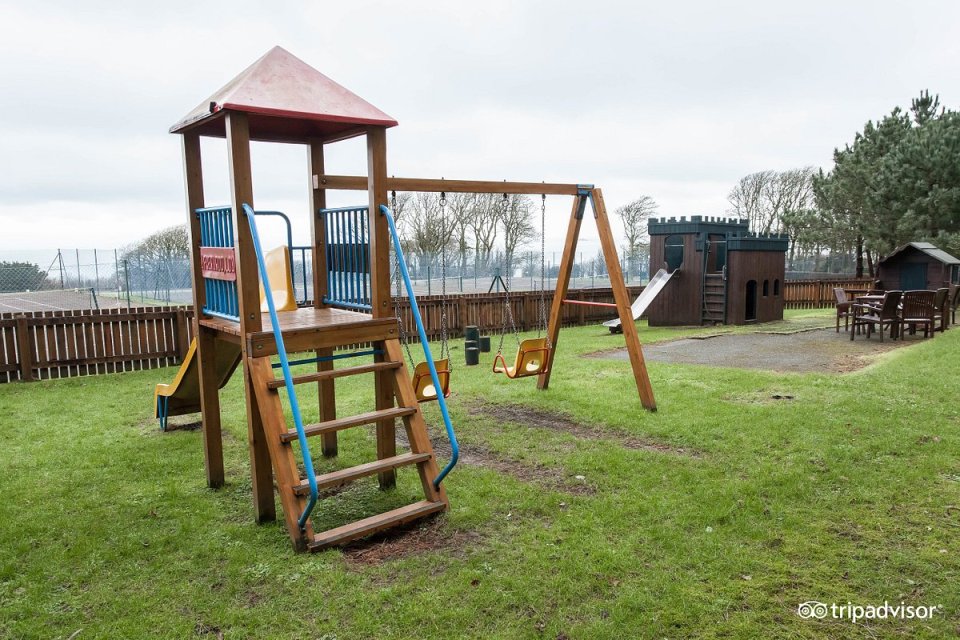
766, 288
673, 252
776, 287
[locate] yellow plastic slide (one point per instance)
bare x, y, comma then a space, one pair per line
182, 395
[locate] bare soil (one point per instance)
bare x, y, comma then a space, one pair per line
555, 421
480, 456
419, 537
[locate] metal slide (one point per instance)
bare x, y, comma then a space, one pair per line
651, 291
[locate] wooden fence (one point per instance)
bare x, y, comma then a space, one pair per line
65, 344
62, 344
818, 294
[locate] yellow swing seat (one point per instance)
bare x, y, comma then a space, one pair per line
531, 359
423, 383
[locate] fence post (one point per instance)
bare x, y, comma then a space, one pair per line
25, 349
180, 328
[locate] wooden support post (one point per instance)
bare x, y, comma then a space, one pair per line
326, 391
25, 349
622, 298
563, 285
181, 333
248, 292
206, 344
210, 406
380, 289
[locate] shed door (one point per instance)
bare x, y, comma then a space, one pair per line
913, 276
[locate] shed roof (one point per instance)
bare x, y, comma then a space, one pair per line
287, 100
925, 247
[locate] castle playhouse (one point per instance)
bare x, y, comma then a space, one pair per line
721, 273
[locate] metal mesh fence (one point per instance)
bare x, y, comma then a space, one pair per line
98, 279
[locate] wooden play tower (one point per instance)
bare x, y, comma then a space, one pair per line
281, 99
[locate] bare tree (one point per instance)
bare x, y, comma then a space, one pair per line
460, 207
484, 225
399, 205
634, 216
426, 231
517, 220
764, 197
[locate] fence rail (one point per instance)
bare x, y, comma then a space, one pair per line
62, 344
818, 294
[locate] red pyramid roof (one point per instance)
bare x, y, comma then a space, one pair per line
287, 99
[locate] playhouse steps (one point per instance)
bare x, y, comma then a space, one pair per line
295, 490
342, 477
374, 524
714, 301
330, 426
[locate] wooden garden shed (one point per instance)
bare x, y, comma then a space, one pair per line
918, 265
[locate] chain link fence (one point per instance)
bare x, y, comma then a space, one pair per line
60, 280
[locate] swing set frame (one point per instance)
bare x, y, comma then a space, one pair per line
582, 195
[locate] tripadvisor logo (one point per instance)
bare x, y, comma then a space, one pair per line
855, 612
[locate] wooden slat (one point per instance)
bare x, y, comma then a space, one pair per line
345, 476
336, 373
349, 421
359, 183
374, 524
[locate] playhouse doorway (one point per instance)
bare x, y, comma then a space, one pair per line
750, 302
717, 253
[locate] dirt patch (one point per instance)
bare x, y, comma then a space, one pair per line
480, 456
414, 539
817, 350
555, 421
186, 426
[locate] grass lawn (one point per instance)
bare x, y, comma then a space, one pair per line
712, 518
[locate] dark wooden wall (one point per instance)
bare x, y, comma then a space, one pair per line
743, 266
679, 302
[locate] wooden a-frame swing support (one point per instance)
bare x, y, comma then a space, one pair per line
582, 194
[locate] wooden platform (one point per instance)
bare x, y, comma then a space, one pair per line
308, 328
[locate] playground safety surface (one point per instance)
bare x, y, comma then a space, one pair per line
820, 350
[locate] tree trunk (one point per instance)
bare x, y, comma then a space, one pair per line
860, 256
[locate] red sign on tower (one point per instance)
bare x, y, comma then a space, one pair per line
218, 263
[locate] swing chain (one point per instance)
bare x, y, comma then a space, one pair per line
404, 338
507, 306
542, 305
444, 346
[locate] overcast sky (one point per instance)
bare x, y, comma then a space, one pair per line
676, 100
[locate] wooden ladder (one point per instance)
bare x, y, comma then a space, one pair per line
294, 490
713, 307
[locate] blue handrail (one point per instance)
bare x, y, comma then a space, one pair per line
285, 365
454, 447
286, 219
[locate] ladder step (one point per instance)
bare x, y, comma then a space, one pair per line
345, 476
336, 373
369, 526
350, 421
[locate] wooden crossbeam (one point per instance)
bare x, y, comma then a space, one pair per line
359, 183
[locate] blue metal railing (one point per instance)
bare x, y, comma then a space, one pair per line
281, 214
348, 257
285, 365
216, 230
402, 263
